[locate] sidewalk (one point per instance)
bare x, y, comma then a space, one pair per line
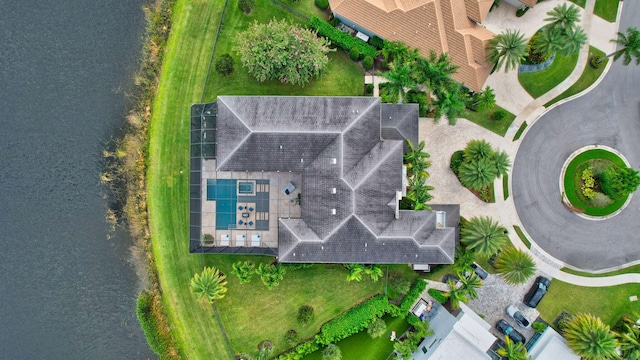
442, 140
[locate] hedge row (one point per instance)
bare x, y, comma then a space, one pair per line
414, 293
340, 38
300, 351
353, 321
437, 295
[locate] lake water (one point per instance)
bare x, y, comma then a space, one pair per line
66, 290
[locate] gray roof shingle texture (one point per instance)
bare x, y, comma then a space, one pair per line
309, 134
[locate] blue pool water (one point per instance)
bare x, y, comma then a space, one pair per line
223, 191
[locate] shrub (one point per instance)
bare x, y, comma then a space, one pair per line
533, 55
437, 295
420, 98
539, 327
588, 182
377, 42
305, 314
456, 160
499, 115
322, 4
377, 328
354, 53
400, 284
413, 320
332, 352
246, 6
339, 38
334, 21
224, 65
367, 62
414, 293
368, 88
522, 11
291, 337
618, 183
144, 311
353, 321
600, 200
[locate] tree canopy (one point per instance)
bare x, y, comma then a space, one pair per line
280, 50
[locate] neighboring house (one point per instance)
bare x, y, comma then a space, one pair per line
465, 336
310, 179
550, 346
450, 26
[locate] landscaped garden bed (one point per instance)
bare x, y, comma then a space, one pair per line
586, 180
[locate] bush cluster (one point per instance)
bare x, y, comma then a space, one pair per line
377, 42
588, 183
341, 39
305, 314
353, 321
437, 295
499, 115
367, 62
414, 293
456, 160
322, 4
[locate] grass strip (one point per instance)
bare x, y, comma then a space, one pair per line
580, 3
607, 9
588, 77
571, 185
522, 236
540, 82
635, 269
505, 186
486, 120
608, 303
520, 131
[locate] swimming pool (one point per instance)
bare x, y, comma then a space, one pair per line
223, 191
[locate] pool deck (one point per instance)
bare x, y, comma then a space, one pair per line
280, 206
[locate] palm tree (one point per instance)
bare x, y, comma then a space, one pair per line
455, 294
418, 193
630, 47
629, 340
484, 100
395, 51
434, 72
399, 78
375, 271
450, 104
513, 350
470, 284
507, 48
563, 17
463, 261
209, 285
355, 272
477, 150
515, 266
415, 159
590, 338
271, 274
574, 39
549, 41
483, 235
501, 159
478, 174
243, 271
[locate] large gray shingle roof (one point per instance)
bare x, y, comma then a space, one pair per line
336, 142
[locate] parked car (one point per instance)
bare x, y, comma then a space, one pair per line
448, 277
537, 291
509, 331
516, 314
482, 274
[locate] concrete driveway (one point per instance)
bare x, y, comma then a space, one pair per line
608, 115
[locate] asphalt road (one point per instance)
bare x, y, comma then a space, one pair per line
608, 115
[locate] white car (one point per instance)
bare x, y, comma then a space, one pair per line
515, 313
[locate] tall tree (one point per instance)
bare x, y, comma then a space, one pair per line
478, 174
450, 104
483, 235
484, 100
564, 17
416, 159
513, 350
590, 338
515, 266
470, 284
209, 285
456, 294
575, 39
630, 47
549, 41
399, 80
463, 260
418, 193
395, 51
507, 49
629, 339
434, 73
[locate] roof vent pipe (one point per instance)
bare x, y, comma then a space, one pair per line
333, 190
333, 211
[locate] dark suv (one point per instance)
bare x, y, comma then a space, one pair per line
539, 288
509, 331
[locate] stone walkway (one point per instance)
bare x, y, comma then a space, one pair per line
443, 140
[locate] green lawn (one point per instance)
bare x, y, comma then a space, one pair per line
522, 237
342, 76
361, 346
520, 131
252, 313
539, 82
609, 303
182, 82
580, 3
635, 269
571, 182
607, 9
486, 120
588, 77
505, 186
